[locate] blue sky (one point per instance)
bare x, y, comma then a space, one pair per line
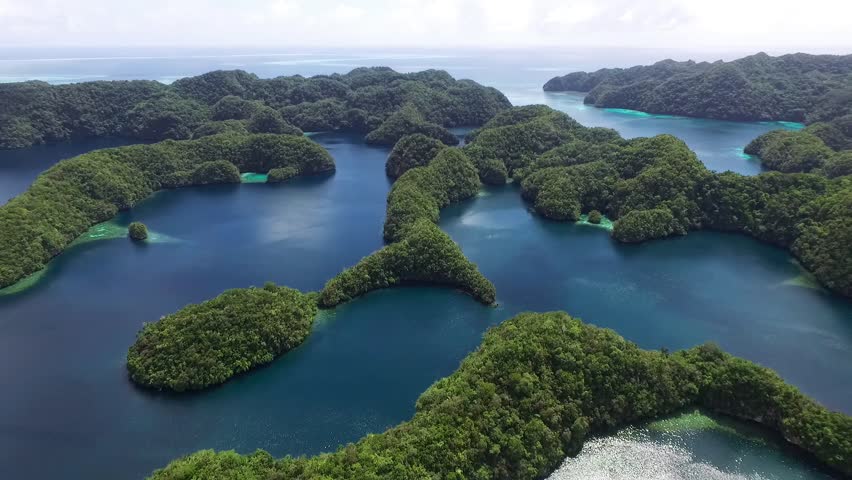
755, 24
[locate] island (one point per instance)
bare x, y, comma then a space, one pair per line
797, 87
535, 389
379, 102
80, 192
419, 252
822, 147
656, 187
206, 344
137, 231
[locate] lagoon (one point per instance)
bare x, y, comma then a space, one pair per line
63, 341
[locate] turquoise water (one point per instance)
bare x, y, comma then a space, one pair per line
251, 177
63, 341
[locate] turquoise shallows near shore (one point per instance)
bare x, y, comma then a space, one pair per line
786, 125
637, 113
117, 229
804, 279
740, 151
111, 229
25, 283
689, 422
252, 177
605, 223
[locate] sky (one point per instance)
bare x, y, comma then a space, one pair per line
813, 25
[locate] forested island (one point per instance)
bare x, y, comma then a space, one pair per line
822, 147
379, 102
656, 187
531, 394
80, 192
796, 87
208, 343
419, 252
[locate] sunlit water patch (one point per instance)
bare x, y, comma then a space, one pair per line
691, 446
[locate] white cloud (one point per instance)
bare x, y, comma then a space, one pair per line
572, 13
347, 12
503, 16
283, 8
754, 24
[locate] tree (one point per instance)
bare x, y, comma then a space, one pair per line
595, 217
137, 231
269, 120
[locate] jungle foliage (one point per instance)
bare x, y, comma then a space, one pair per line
378, 101
137, 231
206, 344
419, 252
796, 87
415, 150
824, 147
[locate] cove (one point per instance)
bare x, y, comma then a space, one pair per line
672, 293
718, 143
367, 361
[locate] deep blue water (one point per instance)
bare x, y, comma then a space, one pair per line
63, 342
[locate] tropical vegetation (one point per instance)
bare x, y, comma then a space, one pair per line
823, 147
137, 231
379, 102
208, 343
419, 252
415, 150
796, 87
